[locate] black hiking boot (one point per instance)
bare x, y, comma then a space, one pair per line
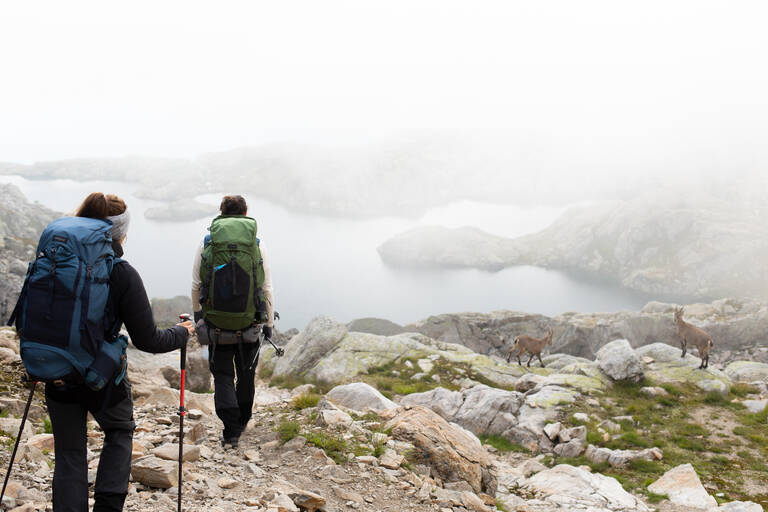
233, 441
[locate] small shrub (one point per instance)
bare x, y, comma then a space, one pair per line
334, 447
502, 444
715, 398
634, 439
47, 426
694, 445
646, 466
287, 430
594, 437
305, 400
742, 389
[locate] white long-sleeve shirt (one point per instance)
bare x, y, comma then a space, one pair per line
267, 288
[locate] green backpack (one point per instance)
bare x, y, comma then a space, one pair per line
232, 274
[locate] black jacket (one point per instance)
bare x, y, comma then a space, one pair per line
130, 306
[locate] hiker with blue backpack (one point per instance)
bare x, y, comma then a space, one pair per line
77, 294
233, 302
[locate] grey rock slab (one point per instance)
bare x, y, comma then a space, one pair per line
572, 448
740, 506
155, 472
620, 362
570, 487
755, 406
620, 458
360, 396
683, 487
170, 451
747, 371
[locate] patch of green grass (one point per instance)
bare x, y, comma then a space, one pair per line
379, 450
287, 430
742, 389
406, 388
693, 445
305, 400
333, 446
646, 466
4, 413
502, 444
500, 506
629, 440
715, 398
654, 498
47, 427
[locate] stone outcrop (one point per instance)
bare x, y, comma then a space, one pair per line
664, 364
619, 361
747, 371
326, 351
568, 488
455, 454
663, 242
621, 458
21, 223
359, 396
683, 487
733, 324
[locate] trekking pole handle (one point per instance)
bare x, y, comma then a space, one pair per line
280, 352
184, 317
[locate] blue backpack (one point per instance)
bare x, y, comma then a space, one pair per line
61, 313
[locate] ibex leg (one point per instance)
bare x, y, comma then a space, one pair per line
542, 362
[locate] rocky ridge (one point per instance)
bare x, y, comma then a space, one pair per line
21, 223
735, 325
666, 242
437, 450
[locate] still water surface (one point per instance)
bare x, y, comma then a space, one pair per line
329, 265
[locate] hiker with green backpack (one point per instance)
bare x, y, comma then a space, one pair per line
233, 302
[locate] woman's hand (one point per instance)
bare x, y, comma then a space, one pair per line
189, 326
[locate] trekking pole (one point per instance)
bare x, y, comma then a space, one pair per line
18, 438
182, 411
279, 352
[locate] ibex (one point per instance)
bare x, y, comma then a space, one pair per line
691, 334
531, 345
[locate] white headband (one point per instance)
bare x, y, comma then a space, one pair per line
120, 225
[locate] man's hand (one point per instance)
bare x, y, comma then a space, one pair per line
267, 331
189, 326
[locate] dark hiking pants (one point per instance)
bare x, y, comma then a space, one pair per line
113, 410
234, 369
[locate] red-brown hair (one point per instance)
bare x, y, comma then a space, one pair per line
101, 206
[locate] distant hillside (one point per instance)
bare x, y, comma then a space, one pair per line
21, 223
664, 242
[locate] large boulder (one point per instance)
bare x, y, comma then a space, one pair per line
155, 472
304, 350
747, 371
455, 454
683, 487
359, 396
620, 362
666, 365
569, 488
481, 409
621, 458
326, 351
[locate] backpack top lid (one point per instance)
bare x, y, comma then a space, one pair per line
229, 228
83, 236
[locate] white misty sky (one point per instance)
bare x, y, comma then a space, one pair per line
665, 81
